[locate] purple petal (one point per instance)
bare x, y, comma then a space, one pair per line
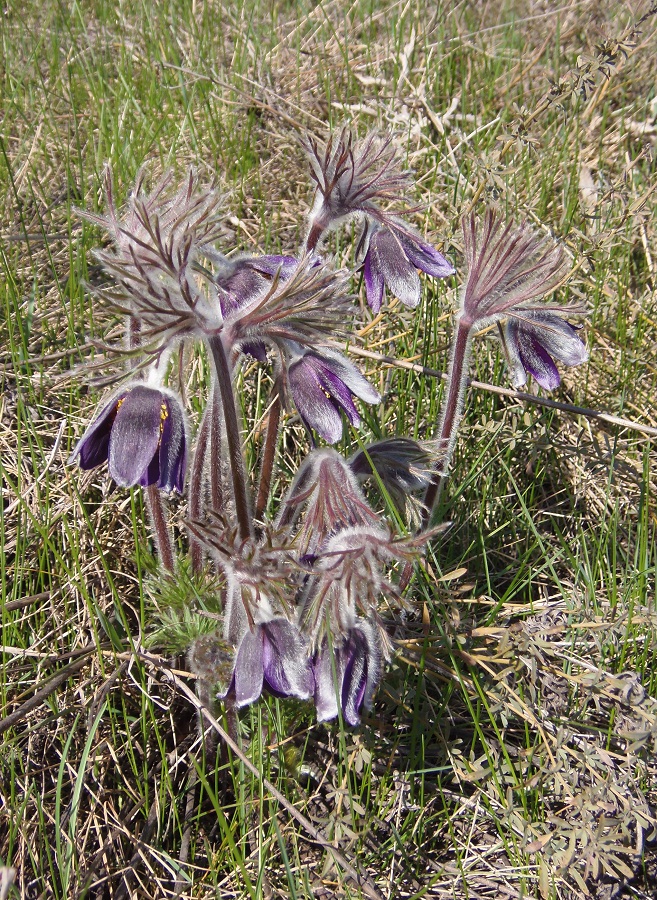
249, 668
355, 679
244, 285
388, 258
173, 448
286, 665
315, 408
557, 336
152, 473
349, 374
425, 257
93, 446
256, 349
135, 435
327, 691
537, 361
374, 284
339, 391
270, 265
512, 352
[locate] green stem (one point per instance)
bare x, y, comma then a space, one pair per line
452, 410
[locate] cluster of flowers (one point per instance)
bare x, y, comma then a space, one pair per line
301, 592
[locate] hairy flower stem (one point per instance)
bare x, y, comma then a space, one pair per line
160, 527
269, 451
233, 439
196, 485
216, 485
451, 412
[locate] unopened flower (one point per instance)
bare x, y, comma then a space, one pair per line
326, 491
347, 673
533, 339
274, 657
393, 256
141, 434
401, 465
322, 383
399, 462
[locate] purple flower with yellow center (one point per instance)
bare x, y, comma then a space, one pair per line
394, 254
273, 657
533, 339
322, 383
346, 675
141, 435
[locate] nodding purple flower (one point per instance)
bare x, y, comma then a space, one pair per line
274, 657
346, 675
241, 281
322, 383
533, 339
244, 278
141, 434
393, 256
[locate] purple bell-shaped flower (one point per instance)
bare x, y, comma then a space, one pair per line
274, 657
141, 434
322, 382
347, 674
393, 256
533, 339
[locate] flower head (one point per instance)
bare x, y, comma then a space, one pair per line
244, 278
308, 304
241, 281
346, 675
394, 254
141, 434
322, 383
272, 656
533, 339
261, 578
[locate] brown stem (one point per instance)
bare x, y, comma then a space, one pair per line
269, 451
233, 439
161, 532
451, 415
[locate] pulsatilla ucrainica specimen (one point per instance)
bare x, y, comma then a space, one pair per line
303, 572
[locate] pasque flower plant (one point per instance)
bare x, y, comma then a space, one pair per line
302, 576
